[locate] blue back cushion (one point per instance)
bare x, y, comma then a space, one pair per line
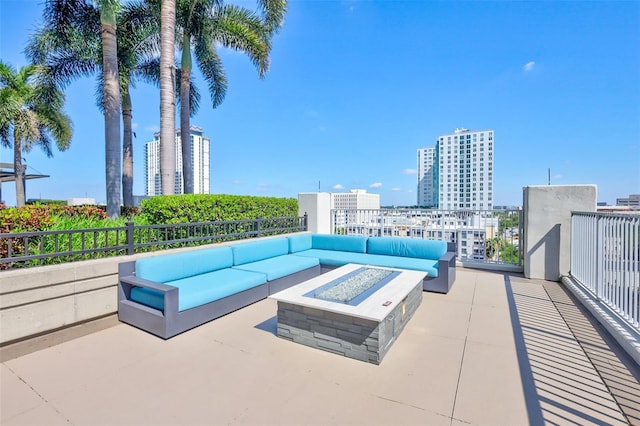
259, 250
354, 243
176, 266
299, 243
407, 247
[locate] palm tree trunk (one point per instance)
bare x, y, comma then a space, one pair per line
19, 172
111, 101
185, 115
127, 151
167, 97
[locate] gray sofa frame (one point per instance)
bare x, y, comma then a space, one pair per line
170, 321
446, 272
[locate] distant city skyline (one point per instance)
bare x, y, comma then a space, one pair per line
354, 88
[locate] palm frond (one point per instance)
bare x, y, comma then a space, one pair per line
211, 67
274, 12
240, 29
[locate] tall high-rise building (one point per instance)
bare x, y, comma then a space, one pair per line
200, 149
426, 176
462, 171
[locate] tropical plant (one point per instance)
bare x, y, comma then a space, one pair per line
30, 114
111, 103
70, 21
167, 96
204, 24
72, 48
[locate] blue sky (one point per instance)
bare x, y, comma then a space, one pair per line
356, 87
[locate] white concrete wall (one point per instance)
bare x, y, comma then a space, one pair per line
81, 201
317, 205
42, 299
547, 227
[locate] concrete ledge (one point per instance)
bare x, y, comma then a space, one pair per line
52, 338
626, 336
496, 267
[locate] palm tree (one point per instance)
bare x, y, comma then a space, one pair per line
30, 114
111, 103
74, 50
167, 96
70, 18
138, 35
202, 25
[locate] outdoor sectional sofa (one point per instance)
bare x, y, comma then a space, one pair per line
168, 294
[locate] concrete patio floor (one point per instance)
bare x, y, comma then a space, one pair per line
498, 349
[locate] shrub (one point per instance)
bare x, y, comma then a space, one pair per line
129, 211
47, 202
25, 219
215, 207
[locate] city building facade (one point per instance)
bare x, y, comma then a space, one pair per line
355, 199
632, 201
350, 207
460, 169
426, 176
200, 149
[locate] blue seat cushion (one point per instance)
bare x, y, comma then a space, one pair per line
280, 266
171, 267
259, 250
338, 258
299, 242
334, 257
407, 247
354, 243
201, 289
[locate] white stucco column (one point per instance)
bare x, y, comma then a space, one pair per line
547, 227
317, 205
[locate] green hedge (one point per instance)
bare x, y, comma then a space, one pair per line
215, 207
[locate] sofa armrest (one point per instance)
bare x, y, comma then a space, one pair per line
446, 274
448, 259
170, 293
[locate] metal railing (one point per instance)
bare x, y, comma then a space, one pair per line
482, 236
27, 249
605, 260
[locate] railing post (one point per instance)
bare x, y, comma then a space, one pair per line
599, 257
306, 221
258, 221
130, 241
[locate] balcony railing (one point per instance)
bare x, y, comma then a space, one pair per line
605, 260
482, 236
27, 249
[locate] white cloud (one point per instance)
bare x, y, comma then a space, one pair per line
529, 66
396, 189
557, 176
134, 125
152, 129
236, 182
409, 172
376, 185
337, 186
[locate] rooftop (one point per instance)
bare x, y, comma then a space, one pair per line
497, 349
